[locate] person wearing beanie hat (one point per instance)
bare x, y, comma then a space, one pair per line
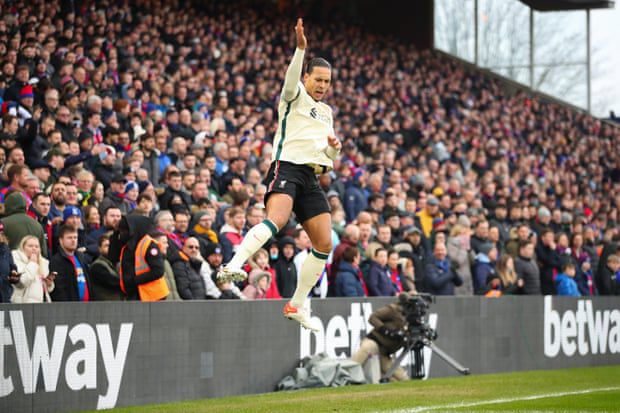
72, 216
484, 267
130, 195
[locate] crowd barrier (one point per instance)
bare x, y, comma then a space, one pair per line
71, 356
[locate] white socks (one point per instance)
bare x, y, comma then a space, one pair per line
311, 270
256, 237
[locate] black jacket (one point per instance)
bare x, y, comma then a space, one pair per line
606, 282
549, 266
168, 195
106, 280
190, 283
529, 271
66, 286
286, 276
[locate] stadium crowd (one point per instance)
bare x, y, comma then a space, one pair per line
160, 117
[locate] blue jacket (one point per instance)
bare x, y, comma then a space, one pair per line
348, 283
481, 271
354, 201
379, 282
566, 285
6, 266
440, 278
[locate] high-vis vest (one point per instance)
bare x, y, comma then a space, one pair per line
152, 291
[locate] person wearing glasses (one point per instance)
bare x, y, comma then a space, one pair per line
186, 267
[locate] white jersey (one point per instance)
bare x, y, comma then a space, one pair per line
303, 127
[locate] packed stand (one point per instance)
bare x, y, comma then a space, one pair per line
150, 126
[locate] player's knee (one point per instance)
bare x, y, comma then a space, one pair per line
324, 246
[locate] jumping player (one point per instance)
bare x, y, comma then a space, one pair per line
305, 145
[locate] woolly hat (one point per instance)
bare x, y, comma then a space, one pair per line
131, 185
71, 211
26, 92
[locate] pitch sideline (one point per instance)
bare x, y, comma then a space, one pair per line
504, 400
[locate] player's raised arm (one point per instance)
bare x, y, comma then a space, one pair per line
293, 73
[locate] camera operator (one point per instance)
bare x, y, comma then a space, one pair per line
385, 339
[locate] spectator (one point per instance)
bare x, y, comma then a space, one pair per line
286, 271
114, 196
565, 281
350, 238
413, 236
72, 281
549, 261
607, 280
111, 218
427, 214
162, 242
231, 233
378, 281
8, 270
484, 267
349, 280
103, 274
17, 224
39, 211
260, 261
480, 237
505, 279
186, 267
440, 277
35, 282
458, 253
527, 269
258, 284
396, 274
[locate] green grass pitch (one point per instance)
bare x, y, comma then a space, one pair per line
569, 390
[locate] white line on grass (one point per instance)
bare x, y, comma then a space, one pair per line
505, 400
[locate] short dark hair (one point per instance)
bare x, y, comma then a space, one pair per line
66, 229
39, 195
317, 62
350, 253
143, 196
378, 250
14, 170
103, 238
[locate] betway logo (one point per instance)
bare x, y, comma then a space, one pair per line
80, 370
340, 337
584, 331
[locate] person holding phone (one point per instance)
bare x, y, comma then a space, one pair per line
36, 282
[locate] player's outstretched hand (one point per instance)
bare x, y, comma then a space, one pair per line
301, 37
334, 142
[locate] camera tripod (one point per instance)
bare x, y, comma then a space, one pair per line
415, 346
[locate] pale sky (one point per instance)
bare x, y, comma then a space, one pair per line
605, 29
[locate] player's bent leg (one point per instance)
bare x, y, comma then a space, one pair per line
278, 206
317, 227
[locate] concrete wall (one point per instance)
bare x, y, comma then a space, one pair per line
71, 356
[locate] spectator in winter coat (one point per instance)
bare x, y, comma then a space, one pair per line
527, 268
260, 261
35, 282
8, 270
258, 284
484, 267
39, 210
565, 281
505, 279
186, 267
349, 280
17, 224
355, 195
162, 241
286, 272
440, 277
72, 282
458, 254
421, 252
549, 261
608, 278
103, 273
378, 280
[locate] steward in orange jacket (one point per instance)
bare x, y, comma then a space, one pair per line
140, 258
